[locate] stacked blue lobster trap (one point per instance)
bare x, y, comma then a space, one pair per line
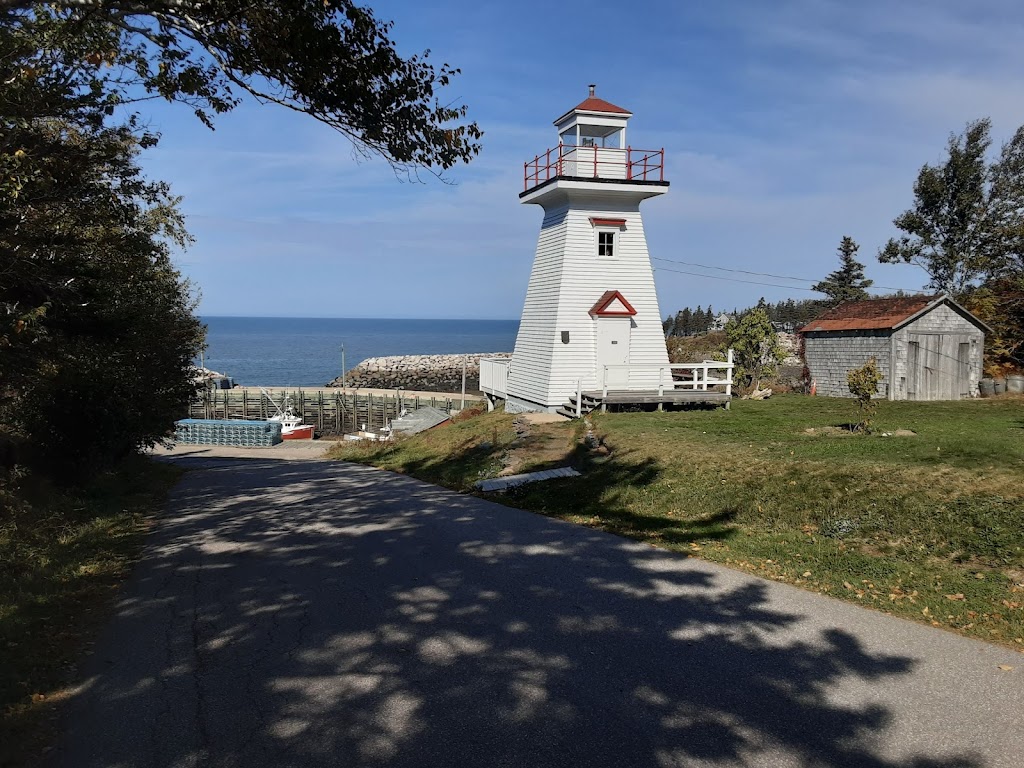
237, 433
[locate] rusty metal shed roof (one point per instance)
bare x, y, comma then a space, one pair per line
881, 314
870, 314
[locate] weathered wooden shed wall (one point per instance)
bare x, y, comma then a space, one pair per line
831, 354
937, 356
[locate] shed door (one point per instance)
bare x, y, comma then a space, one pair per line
938, 366
913, 370
613, 350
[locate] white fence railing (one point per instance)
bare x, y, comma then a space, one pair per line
699, 377
494, 376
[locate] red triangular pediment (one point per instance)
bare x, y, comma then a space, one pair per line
612, 304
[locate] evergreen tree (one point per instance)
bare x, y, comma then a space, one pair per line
848, 282
97, 328
700, 321
789, 313
682, 324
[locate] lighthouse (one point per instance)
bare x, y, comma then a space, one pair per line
591, 319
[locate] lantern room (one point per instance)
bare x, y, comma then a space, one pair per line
593, 123
592, 145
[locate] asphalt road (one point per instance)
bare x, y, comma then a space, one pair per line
311, 613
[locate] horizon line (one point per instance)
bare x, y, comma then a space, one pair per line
335, 317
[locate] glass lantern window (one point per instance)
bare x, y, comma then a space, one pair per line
600, 136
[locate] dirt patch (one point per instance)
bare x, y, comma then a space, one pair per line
827, 431
541, 418
841, 431
540, 443
1016, 575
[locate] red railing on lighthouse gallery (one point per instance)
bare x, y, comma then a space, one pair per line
595, 163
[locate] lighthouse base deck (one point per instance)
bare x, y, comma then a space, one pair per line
648, 397
592, 400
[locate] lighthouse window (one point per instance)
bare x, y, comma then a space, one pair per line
605, 243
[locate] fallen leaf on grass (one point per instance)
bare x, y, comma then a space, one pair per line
848, 585
1006, 667
957, 596
806, 574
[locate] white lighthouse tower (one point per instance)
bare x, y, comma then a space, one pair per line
591, 315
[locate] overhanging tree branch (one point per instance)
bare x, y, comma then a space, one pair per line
329, 59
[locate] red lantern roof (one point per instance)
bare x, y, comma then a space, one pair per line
594, 104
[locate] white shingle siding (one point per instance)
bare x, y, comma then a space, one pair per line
568, 277
830, 355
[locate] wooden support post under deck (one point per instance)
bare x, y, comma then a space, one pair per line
729, 370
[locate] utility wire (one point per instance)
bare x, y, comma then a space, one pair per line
744, 271
761, 274
734, 279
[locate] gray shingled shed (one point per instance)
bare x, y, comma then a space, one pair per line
927, 347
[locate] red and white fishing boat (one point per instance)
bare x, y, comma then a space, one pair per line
292, 427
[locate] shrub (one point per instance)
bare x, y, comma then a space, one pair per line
863, 384
755, 345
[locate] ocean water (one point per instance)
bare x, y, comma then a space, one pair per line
306, 352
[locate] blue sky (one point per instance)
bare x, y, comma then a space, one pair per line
786, 125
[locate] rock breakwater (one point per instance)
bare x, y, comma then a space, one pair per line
429, 373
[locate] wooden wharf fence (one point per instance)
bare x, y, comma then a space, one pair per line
332, 412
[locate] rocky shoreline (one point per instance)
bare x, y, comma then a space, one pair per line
427, 373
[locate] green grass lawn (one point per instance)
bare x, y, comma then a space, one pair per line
62, 556
929, 526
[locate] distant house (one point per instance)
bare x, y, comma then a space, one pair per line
927, 347
719, 323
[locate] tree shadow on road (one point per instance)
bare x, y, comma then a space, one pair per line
313, 613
